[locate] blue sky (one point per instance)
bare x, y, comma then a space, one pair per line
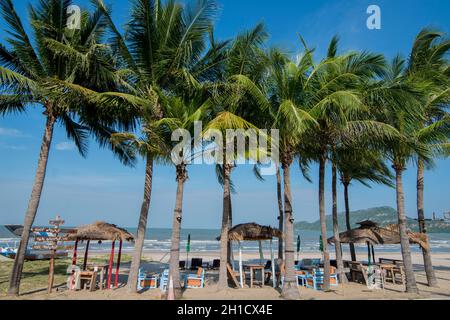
100, 188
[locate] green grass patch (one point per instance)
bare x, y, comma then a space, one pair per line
35, 273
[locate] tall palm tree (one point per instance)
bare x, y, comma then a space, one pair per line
337, 103
281, 96
402, 108
362, 165
428, 62
164, 52
181, 115
31, 68
244, 58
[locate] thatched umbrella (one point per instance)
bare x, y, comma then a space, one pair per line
254, 232
101, 231
371, 233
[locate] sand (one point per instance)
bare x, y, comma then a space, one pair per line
157, 261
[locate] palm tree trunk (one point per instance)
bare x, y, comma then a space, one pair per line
347, 220
230, 225
223, 276
290, 290
33, 204
142, 227
174, 270
411, 286
280, 213
431, 277
337, 240
323, 224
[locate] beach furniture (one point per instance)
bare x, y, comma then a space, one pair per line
253, 268
196, 263
164, 280
215, 264
102, 271
315, 279
309, 264
197, 280
301, 278
88, 279
358, 272
146, 281
233, 275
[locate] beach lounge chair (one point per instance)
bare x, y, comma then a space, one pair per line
315, 279
164, 281
197, 280
301, 278
146, 281
309, 264
196, 263
216, 264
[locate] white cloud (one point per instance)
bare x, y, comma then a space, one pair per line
65, 146
9, 132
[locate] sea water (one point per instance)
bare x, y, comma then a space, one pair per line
205, 240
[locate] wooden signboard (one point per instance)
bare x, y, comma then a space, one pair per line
51, 237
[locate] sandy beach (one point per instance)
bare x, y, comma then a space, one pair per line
157, 261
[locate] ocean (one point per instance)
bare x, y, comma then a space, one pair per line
204, 240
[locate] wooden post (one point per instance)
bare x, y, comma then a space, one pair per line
51, 272
86, 254
111, 260
74, 256
241, 271
261, 254
232, 256
74, 263
119, 255
368, 252
274, 276
373, 255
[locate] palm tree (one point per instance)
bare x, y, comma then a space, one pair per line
337, 103
401, 106
362, 165
244, 58
30, 72
281, 97
164, 52
428, 62
181, 115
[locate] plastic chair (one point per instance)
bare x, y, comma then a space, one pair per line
146, 281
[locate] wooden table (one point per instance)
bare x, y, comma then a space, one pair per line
102, 270
253, 268
389, 270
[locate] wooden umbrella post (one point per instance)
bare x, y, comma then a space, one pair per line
74, 263
373, 254
261, 254
51, 273
111, 260
119, 255
274, 280
240, 266
86, 255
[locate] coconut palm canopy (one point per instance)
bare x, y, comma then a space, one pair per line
371, 232
100, 231
253, 232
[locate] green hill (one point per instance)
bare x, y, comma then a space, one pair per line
381, 215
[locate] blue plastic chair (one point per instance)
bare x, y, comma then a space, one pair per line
143, 277
164, 281
317, 279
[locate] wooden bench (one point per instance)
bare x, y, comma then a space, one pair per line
358, 272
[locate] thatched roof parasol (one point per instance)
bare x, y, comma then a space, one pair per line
374, 234
100, 231
253, 232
